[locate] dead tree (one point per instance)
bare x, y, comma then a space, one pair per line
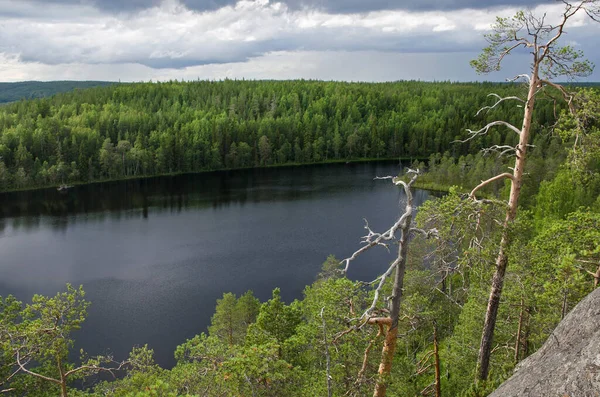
434, 388
327, 356
596, 274
549, 60
398, 269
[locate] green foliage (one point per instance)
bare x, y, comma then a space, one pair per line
233, 316
11, 92
35, 341
577, 183
143, 378
525, 30
134, 130
331, 303
279, 349
331, 269
275, 320
37, 337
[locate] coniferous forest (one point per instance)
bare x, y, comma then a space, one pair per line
482, 276
12, 92
145, 129
292, 349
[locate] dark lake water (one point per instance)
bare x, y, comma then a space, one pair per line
154, 255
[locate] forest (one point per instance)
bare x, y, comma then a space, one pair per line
314, 346
145, 129
482, 275
13, 92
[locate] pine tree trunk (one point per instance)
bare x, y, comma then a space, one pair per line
526, 335
387, 357
389, 346
436, 356
485, 348
565, 305
519, 331
63, 380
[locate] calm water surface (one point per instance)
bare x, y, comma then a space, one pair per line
154, 255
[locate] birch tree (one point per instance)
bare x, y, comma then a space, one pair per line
549, 60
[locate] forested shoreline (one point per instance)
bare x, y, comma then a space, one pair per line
320, 344
12, 92
480, 277
148, 129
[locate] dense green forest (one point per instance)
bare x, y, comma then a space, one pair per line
133, 130
278, 349
12, 92
512, 256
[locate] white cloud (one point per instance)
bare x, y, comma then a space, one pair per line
326, 65
233, 39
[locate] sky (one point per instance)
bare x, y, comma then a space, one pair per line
351, 40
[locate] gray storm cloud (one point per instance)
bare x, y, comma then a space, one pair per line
334, 6
172, 35
186, 35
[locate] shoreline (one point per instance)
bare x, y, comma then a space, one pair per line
141, 177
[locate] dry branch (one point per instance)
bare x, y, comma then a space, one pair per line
487, 182
485, 130
498, 102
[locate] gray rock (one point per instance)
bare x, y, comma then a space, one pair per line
568, 364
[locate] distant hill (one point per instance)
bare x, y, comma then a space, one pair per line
11, 92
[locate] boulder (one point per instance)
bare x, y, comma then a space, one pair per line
568, 364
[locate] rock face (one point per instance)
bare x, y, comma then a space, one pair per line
568, 364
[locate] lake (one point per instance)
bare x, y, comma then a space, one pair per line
155, 254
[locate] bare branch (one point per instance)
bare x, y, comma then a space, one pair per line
372, 239
426, 233
487, 182
566, 95
370, 242
588, 261
382, 279
520, 76
97, 368
340, 334
363, 368
499, 101
9, 378
448, 297
500, 149
380, 320
504, 53
569, 12
484, 130
22, 368
583, 269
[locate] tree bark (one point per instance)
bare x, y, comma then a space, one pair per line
327, 357
485, 348
389, 346
519, 331
436, 356
387, 357
63, 379
565, 305
526, 335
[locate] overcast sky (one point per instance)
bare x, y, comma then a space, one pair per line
357, 40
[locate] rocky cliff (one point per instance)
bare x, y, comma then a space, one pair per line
568, 364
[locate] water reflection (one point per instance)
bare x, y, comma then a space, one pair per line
155, 254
